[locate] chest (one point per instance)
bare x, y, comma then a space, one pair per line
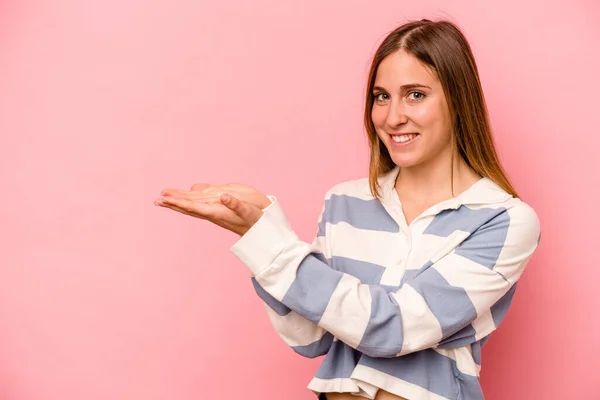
375, 249
386, 258
411, 211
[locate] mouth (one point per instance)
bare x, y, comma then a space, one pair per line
404, 138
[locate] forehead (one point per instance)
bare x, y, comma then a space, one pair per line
401, 68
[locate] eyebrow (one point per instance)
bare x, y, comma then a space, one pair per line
404, 87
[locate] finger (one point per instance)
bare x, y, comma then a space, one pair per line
183, 204
213, 189
191, 195
208, 199
199, 209
199, 186
160, 202
176, 193
180, 210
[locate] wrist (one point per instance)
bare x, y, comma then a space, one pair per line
265, 203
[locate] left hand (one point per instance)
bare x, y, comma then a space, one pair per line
231, 213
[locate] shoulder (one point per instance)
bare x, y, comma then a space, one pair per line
511, 224
521, 211
361, 189
523, 220
495, 208
357, 188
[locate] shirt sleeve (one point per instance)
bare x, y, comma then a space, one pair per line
445, 297
302, 335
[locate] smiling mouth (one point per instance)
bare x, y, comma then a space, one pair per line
404, 138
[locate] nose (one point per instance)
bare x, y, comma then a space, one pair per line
396, 114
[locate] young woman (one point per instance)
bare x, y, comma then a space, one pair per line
413, 267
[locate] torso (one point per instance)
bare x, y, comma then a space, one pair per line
381, 395
392, 254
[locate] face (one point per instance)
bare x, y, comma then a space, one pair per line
410, 113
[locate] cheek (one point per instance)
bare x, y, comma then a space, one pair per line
378, 116
432, 117
427, 115
375, 117
439, 127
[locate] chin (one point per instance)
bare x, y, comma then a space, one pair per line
405, 162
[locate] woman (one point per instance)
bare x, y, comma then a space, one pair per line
413, 267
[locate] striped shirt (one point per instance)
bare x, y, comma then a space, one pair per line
401, 307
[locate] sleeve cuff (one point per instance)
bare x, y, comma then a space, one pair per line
272, 199
265, 240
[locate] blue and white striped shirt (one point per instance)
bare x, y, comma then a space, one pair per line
403, 308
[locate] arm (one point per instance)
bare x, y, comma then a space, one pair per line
447, 296
303, 336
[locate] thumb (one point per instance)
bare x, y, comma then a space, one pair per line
234, 204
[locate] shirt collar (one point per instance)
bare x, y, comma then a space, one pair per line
483, 192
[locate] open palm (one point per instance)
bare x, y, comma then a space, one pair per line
229, 212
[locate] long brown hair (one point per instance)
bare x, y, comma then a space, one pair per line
442, 47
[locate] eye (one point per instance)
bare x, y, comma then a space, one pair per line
416, 95
381, 96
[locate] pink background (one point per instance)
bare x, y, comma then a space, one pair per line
105, 103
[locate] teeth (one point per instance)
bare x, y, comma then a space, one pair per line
403, 138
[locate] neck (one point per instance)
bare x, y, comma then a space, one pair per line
434, 180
